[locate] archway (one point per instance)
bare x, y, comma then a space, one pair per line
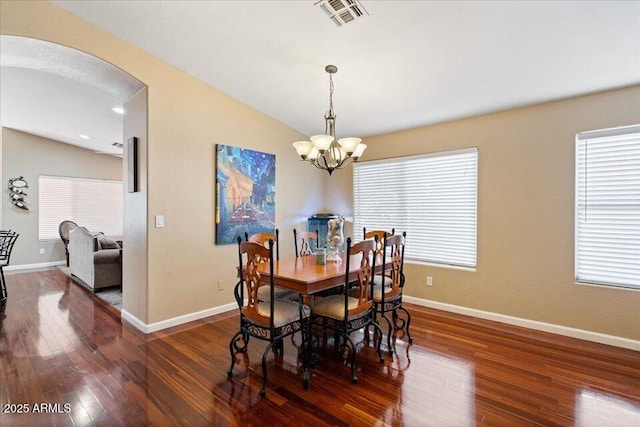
71, 68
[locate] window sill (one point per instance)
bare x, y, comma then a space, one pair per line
447, 266
600, 285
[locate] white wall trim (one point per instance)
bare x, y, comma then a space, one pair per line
34, 266
531, 324
175, 321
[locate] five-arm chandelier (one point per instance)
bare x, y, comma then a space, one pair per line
324, 151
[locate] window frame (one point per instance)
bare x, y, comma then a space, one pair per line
602, 134
427, 260
48, 237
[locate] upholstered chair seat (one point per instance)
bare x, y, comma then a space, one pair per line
378, 279
377, 293
283, 311
333, 306
279, 293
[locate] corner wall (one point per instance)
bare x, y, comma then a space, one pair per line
525, 213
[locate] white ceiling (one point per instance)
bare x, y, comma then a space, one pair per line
407, 64
61, 93
59, 108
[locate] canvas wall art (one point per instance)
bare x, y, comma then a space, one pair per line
245, 192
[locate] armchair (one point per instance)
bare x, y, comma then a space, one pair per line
95, 259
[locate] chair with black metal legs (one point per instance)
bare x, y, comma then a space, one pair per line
303, 242
345, 313
7, 240
270, 320
387, 290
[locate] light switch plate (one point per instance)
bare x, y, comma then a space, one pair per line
159, 221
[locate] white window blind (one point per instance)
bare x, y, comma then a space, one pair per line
92, 203
431, 197
607, 213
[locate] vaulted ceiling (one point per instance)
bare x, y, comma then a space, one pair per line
403, 64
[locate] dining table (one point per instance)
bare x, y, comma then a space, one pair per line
305, 276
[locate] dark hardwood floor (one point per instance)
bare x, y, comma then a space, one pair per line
62, 347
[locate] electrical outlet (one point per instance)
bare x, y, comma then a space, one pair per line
221, 285
429, 281
41, 251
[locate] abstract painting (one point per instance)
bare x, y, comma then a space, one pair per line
245, 193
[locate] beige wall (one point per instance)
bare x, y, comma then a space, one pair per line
31, 156
186, 118
525, 213
525, 239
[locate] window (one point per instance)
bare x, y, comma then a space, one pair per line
431, 197
607, 213
93, 203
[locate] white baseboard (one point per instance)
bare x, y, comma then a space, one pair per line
175, 321
34, 266
531, 324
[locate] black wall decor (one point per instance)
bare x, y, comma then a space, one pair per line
132, 164
17, 192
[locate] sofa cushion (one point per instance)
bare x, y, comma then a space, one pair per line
106, 256
105, 242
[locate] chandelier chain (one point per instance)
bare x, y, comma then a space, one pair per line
330, 94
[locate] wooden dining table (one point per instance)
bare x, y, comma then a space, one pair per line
306, 277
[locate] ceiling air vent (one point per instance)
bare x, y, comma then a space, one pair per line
342, 12
117, 144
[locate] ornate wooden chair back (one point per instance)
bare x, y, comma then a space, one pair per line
364, 284
250, 255
394, 268
263, 238
303, 242
380, 235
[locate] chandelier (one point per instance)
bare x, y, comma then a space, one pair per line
324, 151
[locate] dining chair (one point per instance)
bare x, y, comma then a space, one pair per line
345, 313
387, 294
372, 233
379, 234
263, 238
64, 229
7, 240
270, 320
303, 242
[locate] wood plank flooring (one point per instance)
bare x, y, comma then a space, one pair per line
62, 347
